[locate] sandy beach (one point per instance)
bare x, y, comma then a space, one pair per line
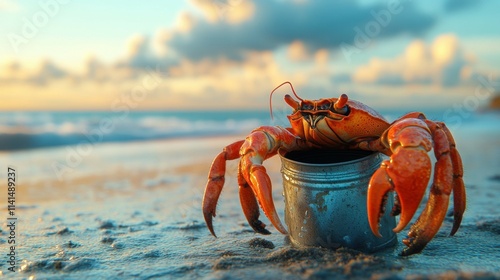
133, 210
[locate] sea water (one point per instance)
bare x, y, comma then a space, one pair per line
26, 130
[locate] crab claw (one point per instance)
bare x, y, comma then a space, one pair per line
261, 186
429, 222
407, 174
250, 207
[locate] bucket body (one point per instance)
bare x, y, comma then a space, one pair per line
325, 199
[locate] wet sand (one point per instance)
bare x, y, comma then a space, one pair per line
134, 211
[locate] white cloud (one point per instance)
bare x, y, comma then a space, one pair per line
44, 71
185, 22
297, 51
231, 11
443, 62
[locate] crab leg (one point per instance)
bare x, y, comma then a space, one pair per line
254, 183
459, 197
261, 144
216, 181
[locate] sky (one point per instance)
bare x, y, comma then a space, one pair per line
230, 54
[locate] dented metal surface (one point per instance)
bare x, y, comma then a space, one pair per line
325, 203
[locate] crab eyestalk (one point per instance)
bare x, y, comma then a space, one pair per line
292, 102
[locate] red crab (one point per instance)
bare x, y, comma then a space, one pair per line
347, 124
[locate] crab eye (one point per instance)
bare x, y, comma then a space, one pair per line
307, 107
324, 106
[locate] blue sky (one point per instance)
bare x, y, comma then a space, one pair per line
231, 53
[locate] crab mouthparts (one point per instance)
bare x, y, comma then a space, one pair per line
313, 119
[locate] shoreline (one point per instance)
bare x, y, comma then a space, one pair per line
44, 184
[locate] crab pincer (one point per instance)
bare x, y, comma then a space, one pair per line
408, 174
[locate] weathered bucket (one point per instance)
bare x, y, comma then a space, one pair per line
325, 199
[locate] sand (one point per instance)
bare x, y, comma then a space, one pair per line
133, 210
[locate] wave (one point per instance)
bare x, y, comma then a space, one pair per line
29, 130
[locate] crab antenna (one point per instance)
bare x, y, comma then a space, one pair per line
271, 96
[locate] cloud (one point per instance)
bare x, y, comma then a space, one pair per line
96, 71
457, 5
297, 51
139, 53
11, 70
144, 53
443, 62
317, 24
43, 72
231, 11
50, 70
92, 68
233, 56
185, 22
234, 31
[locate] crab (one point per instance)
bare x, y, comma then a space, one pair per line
340, 123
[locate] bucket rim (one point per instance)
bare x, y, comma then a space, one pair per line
282, 153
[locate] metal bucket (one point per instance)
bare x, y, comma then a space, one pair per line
325, 199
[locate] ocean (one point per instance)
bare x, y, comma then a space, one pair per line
29, 130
